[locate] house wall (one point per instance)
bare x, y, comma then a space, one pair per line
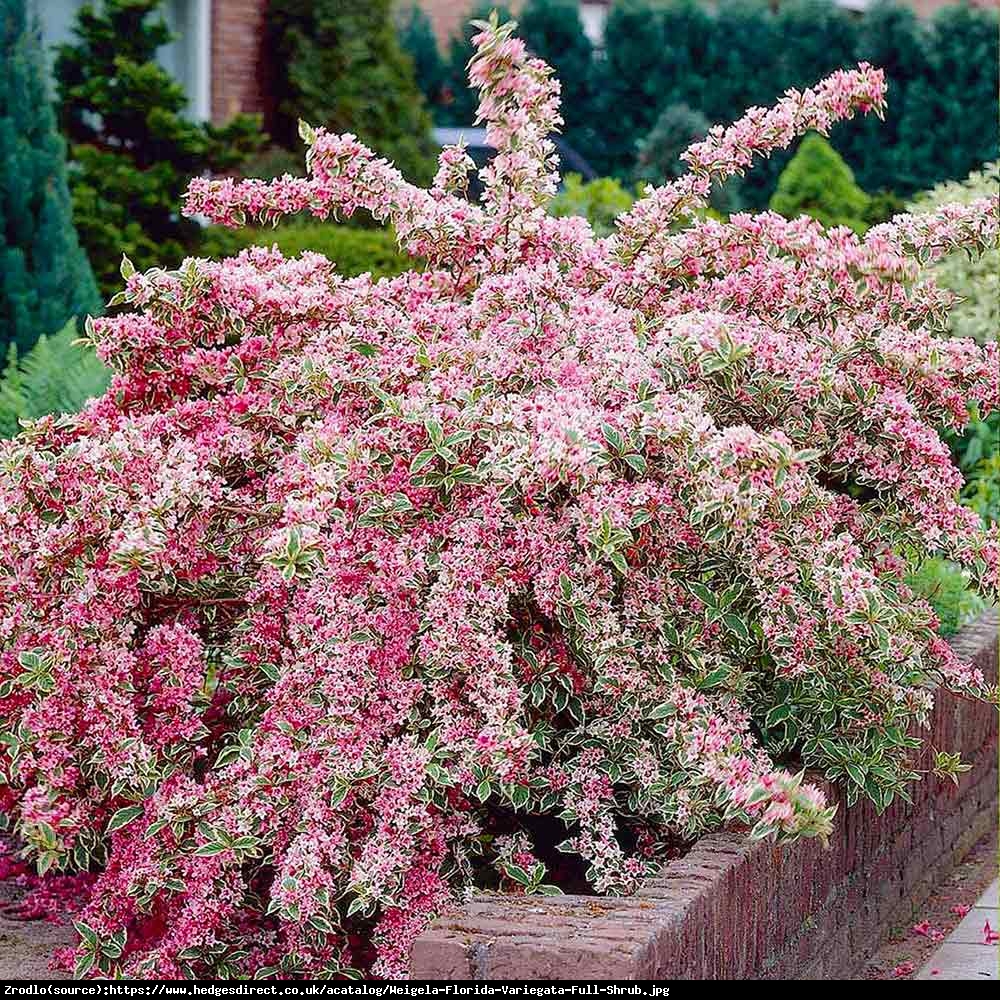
240, 71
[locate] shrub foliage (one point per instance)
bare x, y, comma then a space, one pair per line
590, 529
817, 182
599, 201
352, 251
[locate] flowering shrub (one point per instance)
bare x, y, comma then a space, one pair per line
976, 281
592, 529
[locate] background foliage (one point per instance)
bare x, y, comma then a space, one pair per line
58, 375
941, 120
44, 275
339, 64
599, 201
354, 251
133, 147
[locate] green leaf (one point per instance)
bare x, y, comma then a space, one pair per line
520, 796
322, 924
422, 459
715, 678
84, 964
777, 714
703, 594
636, 462
86, 932
210, 850
307, 133
613, 438
123, 817
618, 561
517, 873
856, 773
736, 624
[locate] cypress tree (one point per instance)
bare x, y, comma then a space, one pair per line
340, 65
45, 278
949, 125
814, 37
892, 38
629, 96
819, 183
416, 36
741, 59
133, 147
553, 31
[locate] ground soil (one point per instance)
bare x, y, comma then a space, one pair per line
26, 946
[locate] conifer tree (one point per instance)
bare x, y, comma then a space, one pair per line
134, 147
553, 31
45, 278
819, 183
341, 66
416, 36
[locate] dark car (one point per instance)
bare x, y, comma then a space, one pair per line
570, 161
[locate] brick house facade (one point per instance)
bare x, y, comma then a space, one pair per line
240, 69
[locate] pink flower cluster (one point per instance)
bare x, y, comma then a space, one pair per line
339, 570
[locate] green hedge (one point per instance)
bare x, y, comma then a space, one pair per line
354, 251
722, 57
945, 585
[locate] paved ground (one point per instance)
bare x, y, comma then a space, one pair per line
965, 953
909, 944
26, 946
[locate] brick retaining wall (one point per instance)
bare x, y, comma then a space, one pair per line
732, 909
